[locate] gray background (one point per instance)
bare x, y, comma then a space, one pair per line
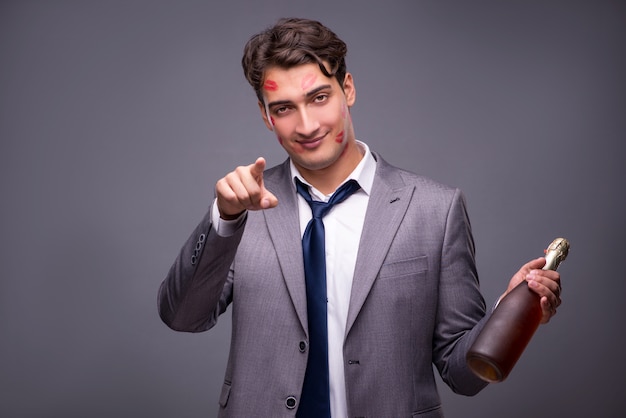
117, 118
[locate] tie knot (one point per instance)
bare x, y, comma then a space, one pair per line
320, 209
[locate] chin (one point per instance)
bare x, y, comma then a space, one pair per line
314, 165
319, 160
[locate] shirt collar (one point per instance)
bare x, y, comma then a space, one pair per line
363, 173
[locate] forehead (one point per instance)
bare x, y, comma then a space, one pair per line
280, 81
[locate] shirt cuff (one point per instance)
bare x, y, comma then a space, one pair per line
223, 227
495, 305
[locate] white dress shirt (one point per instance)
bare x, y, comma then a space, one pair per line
343, 226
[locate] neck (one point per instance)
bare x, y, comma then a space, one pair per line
326, 180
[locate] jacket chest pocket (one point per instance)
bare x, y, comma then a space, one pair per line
403, 285
404, 268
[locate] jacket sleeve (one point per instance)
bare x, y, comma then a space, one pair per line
198, 286
461, 307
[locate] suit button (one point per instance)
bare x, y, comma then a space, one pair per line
302, 346
290, 402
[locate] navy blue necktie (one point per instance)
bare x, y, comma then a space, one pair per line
315, 398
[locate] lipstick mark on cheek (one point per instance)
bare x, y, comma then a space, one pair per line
270, 85
340, 136
308, 81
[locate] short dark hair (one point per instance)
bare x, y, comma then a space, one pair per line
291, 42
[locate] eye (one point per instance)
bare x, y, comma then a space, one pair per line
321, 98
281, 110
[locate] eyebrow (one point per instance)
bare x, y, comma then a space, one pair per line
307, 95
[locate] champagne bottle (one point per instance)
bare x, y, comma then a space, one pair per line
511, 326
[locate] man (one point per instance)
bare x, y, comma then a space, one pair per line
400, 290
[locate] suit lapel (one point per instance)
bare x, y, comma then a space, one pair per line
388, 203
284, 229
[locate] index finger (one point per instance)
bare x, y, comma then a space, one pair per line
256, 169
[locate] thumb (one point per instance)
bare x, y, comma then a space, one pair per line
537, 263
268, 200
520, 276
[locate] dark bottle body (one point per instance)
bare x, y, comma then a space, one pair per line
506, 334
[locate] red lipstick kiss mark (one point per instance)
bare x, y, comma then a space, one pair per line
308, 81
270, 85
272, 120
339, 137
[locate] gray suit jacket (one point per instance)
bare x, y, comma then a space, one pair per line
415, 300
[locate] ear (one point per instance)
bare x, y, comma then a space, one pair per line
349, 90
264, 115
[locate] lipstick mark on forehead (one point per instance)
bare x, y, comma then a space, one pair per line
270, 85
340, 136
308, 81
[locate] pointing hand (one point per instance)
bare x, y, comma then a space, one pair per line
243, 189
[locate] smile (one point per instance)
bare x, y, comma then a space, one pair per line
311, 143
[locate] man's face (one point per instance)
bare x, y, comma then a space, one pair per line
308, 112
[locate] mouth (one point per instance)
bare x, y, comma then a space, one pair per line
311, 143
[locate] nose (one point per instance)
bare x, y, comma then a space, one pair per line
308, 125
